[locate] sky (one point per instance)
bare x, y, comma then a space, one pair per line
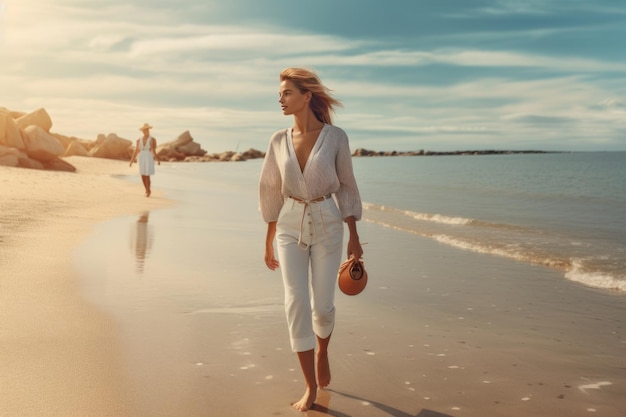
438, 75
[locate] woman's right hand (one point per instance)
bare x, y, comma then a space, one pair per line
270, 260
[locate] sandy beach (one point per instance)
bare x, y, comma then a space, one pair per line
198, 329
59, 355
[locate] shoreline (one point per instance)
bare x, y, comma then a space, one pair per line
59, 354
438, 331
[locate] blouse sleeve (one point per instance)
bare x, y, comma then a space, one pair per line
348, 197
270, 185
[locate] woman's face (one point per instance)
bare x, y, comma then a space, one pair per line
291, 100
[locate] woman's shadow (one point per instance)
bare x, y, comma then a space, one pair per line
323, 402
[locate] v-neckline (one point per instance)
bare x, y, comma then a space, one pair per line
316, 145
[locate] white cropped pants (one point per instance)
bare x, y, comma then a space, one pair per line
309, 237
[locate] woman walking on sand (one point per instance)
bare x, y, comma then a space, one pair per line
304, 166
146, 148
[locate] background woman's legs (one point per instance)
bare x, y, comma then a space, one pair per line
146, 184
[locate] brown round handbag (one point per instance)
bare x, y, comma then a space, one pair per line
352, 276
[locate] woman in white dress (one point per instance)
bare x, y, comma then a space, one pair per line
146, 149
307, 192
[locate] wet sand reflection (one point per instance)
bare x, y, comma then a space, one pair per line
141, 241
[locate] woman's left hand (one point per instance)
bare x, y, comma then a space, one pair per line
354, 244
354, 248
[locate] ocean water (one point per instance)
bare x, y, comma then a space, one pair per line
198, 309
565, 211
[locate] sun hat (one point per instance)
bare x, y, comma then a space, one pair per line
145, 126
352, 276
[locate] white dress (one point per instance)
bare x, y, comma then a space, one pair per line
145, 158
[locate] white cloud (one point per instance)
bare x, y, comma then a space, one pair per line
237, 39
469, 58
545, 8
106, 69
528, 7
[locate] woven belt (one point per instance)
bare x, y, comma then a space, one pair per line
303, 241
315, 200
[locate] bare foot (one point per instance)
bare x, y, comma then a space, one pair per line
323, 370
148, 193
307, 400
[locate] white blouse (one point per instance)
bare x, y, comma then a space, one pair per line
327, 171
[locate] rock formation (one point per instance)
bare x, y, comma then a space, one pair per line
112, 146
26, 142
180, 148
40, 144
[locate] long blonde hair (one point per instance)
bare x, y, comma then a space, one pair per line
322, 103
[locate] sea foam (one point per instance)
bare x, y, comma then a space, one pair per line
594, 279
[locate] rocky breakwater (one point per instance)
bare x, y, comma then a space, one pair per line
421, 152
183, 148
27, 142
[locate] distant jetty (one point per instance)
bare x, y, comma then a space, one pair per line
421, 152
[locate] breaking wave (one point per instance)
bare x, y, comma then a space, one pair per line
523, 244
